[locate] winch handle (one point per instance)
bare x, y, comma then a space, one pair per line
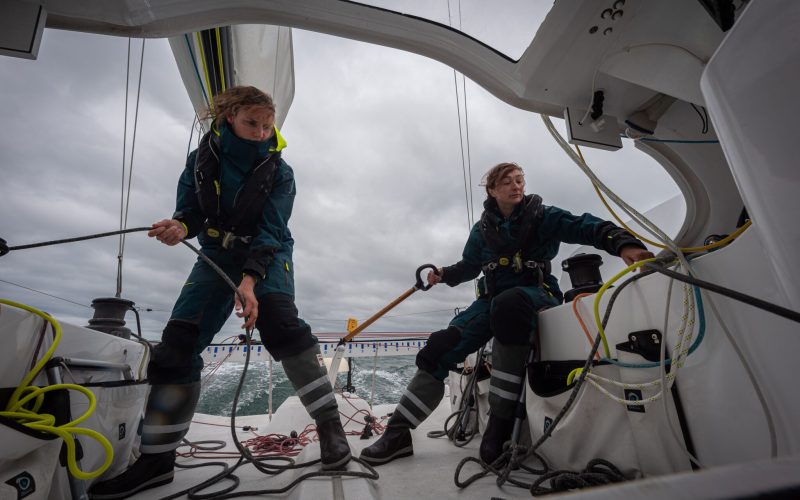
420, 285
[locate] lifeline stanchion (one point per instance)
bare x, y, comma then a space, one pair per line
337, 357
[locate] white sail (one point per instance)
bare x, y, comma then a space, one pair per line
247, 54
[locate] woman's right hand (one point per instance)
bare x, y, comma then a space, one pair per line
168, 231
434, 278
248, 310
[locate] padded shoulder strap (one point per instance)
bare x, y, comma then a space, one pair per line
256, 190
206, 175
531, 218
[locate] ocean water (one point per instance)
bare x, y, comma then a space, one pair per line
392, 374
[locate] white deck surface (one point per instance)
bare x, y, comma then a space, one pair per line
427, 474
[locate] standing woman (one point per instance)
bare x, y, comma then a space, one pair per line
236, 195
512, 245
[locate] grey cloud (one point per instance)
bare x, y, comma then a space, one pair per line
373, 139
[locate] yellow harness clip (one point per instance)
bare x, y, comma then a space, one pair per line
503, 261
212, 232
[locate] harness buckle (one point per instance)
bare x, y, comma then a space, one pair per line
227, 239
518, 262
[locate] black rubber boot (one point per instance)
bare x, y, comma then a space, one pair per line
148, 472
497, 432
333, 447
394, 443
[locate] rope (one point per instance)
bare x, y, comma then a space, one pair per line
733, 294
79, 238
247, 457
26, 401
227, 473
597, 473
465, 410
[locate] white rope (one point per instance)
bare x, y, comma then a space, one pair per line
685, 266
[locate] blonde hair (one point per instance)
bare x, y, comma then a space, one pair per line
230, 101
498, 172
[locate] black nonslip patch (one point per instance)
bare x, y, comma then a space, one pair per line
634, 395
547, 423
23, 483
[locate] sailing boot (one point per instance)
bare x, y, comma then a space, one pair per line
169, 412
333, 448
498, 431
508, 373
306, 371
422, 396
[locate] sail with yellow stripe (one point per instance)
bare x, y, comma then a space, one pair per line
212, 60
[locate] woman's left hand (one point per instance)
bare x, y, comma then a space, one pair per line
250, 310
631, 254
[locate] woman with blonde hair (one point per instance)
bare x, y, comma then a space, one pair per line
235, 194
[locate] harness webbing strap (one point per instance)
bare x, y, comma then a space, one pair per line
254, 193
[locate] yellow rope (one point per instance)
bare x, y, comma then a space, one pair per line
43, 422
600, 293
656, 244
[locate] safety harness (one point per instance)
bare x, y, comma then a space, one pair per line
250, 198
512, 256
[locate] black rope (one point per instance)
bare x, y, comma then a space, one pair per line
741, 297
513, 457
79, 238
598, 472
246, 456
467, 407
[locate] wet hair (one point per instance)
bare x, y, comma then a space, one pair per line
233, 99
498, 172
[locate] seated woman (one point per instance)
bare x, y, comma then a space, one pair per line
512, 244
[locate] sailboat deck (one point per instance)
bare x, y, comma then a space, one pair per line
428, 473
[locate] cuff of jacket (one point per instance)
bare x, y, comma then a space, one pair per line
451, 275
192, 223
258, 261
622, 238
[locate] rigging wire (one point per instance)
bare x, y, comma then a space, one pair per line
130, 169
466, 128
45, 293
467, 183
191, 134
122, 177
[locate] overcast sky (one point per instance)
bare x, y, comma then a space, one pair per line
373, 138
